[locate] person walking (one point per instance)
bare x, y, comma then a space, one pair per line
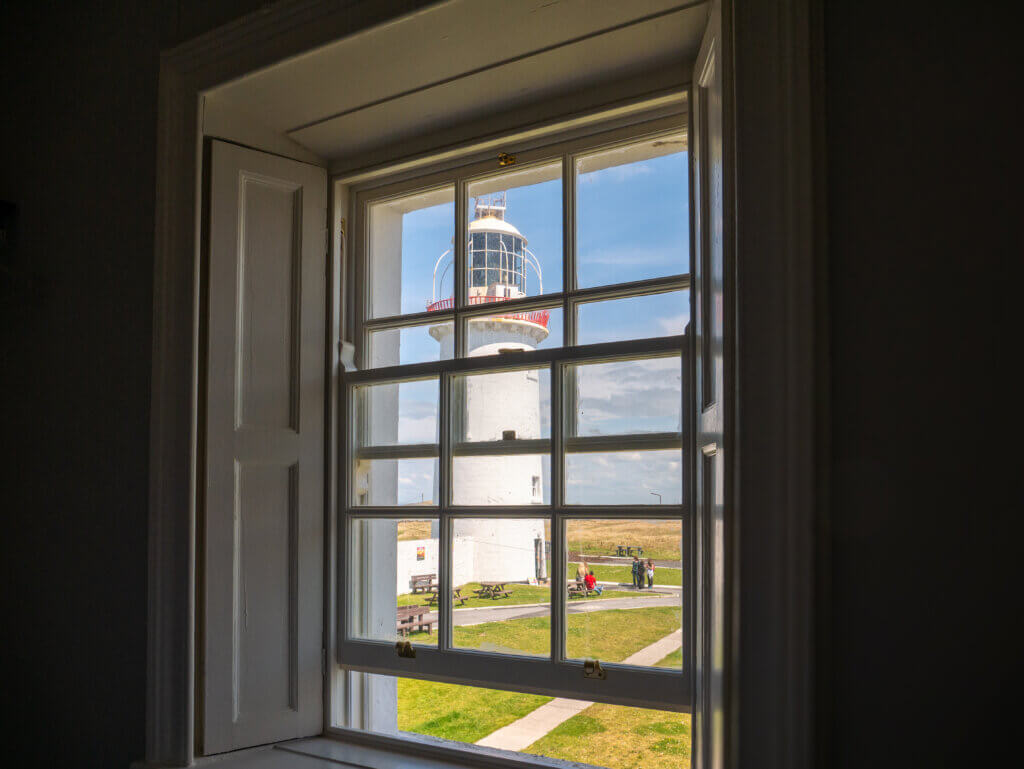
650, 573
638, 573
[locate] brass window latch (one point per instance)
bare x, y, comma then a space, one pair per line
593, 669
405, 649
504, 159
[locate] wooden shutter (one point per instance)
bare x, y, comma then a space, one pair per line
261, 535
709, 276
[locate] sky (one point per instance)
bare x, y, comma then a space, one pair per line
632, 223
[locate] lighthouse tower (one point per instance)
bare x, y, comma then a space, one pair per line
499, 266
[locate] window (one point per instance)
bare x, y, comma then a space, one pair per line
515, 426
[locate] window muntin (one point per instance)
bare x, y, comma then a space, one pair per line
469, 347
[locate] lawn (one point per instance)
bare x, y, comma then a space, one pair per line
467, 713
520, 594
608, 573
620, 738
659, 539
463, 713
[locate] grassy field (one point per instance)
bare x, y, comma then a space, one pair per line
659, 539
674, 660
608, 573
520, 594
463, 713
408, 530
620, 738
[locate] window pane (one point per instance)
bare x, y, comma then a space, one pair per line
637, 317
624, 477
613, 736
518, 479
487, 407
503, 597
388, 482
408, 238
393, 579
515, 213
397, 413
524, 330
410, 344
623, 397
639, 563
632, 208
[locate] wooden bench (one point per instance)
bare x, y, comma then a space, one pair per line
456, 596
409, 618
577, 589
493, 590
423, 583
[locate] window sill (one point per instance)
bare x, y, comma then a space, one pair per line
407, 752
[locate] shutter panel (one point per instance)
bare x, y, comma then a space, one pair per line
261, 536
709, 275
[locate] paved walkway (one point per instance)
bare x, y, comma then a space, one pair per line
527, 730
479, 615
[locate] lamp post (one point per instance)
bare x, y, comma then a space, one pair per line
656, 494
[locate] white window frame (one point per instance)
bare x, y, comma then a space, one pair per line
557, 676
776, 355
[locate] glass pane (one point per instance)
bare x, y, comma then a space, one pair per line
638, 563
393, 579
614, 736
397, 413
502, 599
637, 317
517, 213
410, 344
623, 397
624, 477
506, 405
388, 482
525, 330
409, 238
632, 209
518, 479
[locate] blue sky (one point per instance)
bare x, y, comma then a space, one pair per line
632, 223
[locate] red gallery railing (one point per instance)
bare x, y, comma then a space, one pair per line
540, 317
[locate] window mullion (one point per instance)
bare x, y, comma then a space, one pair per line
460, 282
444, 560
557, 575
568, 250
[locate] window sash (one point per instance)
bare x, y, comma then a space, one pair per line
555, 675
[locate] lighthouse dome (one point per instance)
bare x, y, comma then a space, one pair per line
494, 224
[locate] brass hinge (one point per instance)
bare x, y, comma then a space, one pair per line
593, 669
405, 649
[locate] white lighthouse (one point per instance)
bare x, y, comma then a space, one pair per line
499, 266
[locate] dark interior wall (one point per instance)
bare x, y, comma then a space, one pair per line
921, 236
78, 84
924, 224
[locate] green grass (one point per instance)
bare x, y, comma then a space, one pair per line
620, 737
674, 660
608, 573
520, 594
463, 713
467, 713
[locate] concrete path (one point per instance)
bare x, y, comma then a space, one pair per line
527, 730
479, 615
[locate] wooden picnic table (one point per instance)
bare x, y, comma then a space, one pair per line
577, 589
493, 590
456, 596
423, 583
409, 618
627, 550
